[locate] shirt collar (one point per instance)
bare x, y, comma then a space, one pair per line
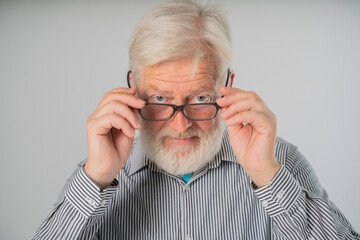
138, 160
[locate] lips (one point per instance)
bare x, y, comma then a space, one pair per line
181, 140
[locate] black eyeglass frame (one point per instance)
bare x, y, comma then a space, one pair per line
181, 108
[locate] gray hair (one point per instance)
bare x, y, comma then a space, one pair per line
181, 29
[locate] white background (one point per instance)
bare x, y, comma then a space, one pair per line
57, 58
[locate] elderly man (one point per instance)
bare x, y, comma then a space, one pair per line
207, 164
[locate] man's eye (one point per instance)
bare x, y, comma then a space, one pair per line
160, 99
201, 99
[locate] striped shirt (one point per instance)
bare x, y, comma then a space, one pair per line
218, 202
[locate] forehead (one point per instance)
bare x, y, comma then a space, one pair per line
177, 77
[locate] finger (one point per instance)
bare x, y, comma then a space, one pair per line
229, 90
257, 119
238, 95
119, 109
137, 114
102, 125
242, 105
239, 126
125, 98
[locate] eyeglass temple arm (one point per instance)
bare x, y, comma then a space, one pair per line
227, 78
128, 78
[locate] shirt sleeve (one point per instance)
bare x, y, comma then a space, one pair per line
299, 206
79, 211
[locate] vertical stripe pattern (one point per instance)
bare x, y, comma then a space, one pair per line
218, 202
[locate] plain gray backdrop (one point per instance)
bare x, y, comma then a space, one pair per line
57, 59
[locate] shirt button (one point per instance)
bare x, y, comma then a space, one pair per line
280, 195
187, 237
103, 203
311, 238
265, 203
92, 202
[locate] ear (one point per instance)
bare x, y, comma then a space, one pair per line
129, 80
232, 75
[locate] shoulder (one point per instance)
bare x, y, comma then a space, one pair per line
298, 166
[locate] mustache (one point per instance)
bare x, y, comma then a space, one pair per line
189, 133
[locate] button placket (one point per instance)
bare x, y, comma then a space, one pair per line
103, 203
92, 202
186, 213
280, 195
265, 203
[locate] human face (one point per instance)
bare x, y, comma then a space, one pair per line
179, 145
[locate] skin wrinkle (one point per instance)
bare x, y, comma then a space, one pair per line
197, 77
159, 138
206, 89
163, 71
172, 94
168, 77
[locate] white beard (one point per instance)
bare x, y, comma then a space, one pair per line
181, 159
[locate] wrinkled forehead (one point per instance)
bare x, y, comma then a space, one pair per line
178, 78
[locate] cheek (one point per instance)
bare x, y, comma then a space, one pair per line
155, 126
205, 126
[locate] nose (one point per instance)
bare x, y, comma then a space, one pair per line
179, 122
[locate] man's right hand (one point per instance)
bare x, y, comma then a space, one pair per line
110, 134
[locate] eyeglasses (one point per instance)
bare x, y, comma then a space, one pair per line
193, 112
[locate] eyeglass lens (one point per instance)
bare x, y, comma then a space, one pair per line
159, 112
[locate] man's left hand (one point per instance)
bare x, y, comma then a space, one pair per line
252, 133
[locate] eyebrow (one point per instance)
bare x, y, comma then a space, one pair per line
154, 87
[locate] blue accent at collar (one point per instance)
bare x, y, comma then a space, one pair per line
186, 177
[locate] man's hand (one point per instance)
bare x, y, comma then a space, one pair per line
110, 134
254, 142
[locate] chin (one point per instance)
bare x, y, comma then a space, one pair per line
178, 159
182, 155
